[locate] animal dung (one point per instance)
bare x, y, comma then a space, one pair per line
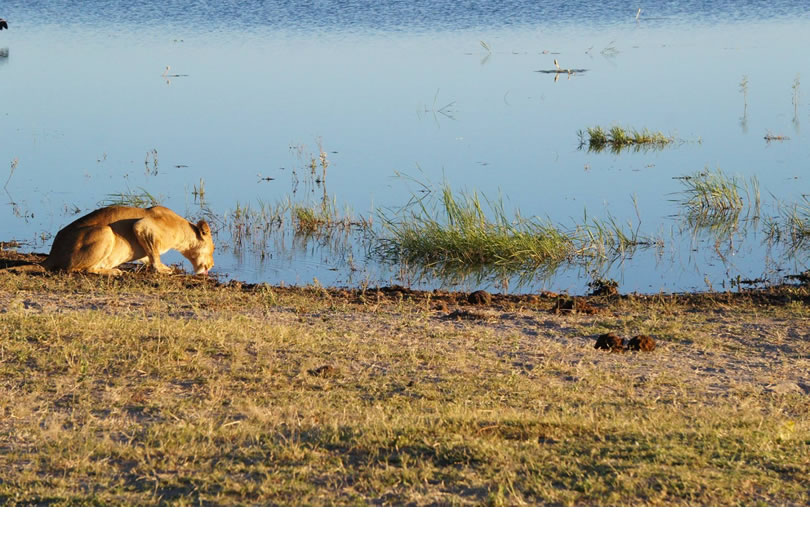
613, 343
479, 297
610, 342
576, 305
642, 343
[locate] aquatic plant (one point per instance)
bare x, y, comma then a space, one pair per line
153, 156
199, 192
711, 192
323, 218
134, 199
791, 226
455, 235
14, 162
448, 111
251, 226
616, 139
607, 239
714, 201
795, 87
744, 91
245, 223
609, 51
316, 163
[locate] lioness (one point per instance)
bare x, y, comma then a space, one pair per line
105, 238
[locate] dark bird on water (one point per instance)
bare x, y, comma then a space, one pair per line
3, 24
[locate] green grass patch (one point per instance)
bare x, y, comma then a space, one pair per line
133, 198
456, 235
616, 139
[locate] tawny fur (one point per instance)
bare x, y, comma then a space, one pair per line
107, 237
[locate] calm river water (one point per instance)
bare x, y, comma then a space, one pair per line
169, 97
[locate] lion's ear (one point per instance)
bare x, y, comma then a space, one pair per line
202, 227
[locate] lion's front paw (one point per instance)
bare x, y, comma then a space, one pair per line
106, 272
162, 269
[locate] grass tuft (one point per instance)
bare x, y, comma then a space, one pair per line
132, 198
714, 201
617, 139
791, 226
454, 235
252, 226
711, 193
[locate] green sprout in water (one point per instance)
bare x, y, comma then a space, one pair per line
597, 139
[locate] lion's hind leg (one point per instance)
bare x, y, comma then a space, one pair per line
95, 252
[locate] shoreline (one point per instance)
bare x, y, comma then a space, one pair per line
12, 261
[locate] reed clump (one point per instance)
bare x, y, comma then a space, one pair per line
714, 201
791, 226
455, 235
454, 232
132, 198
711, 192
617, 139
252, 226
323, 218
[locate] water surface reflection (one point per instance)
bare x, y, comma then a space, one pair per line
432, 91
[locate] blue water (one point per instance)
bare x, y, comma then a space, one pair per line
438, 91
406, 16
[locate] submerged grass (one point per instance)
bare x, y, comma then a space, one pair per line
791, 226
454, 235
252, 226
714, 201
617, 139
140, 198
711, 193
323, 218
